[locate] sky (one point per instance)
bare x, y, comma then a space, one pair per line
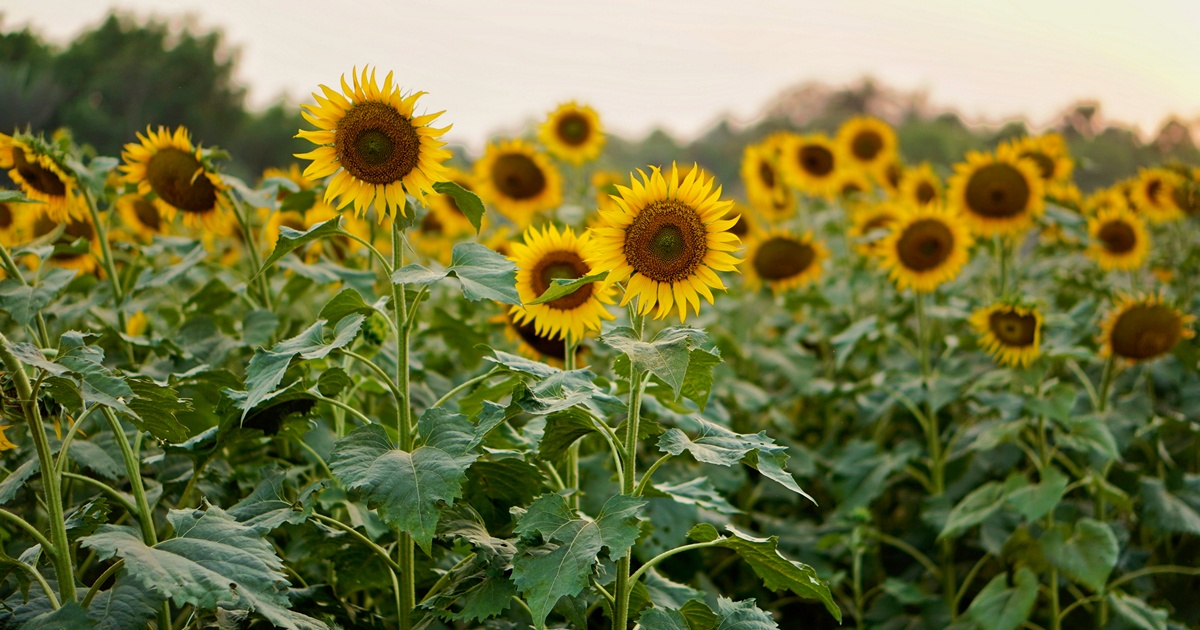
494, 66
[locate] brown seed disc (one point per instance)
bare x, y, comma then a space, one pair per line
816, 160
1044, 163
925, 245
146, 213
766, 173
1145, 331
780, 258
866, 145
37, 176
172, 176
1117, 236
926, 192
1013, 329
666, 241
573, 129
517, 176
6, 216
377, 144
997, 191
561, 265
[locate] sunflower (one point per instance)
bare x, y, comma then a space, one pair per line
920, 185
76, 229
11, 232
927, 247
1102, 199
5, 443
572, 133
604, 183
178, 174
1119, 239
547, 255
997, 194
518, 180
1143, 328
1010, 332
1186, 194
810, 163
532, 345
869, 225
784, 261
39, 170
374, 146
852, 183
890, 175
1152, 195
668, 239
765, 189
1049, 153
868, 143
141, 215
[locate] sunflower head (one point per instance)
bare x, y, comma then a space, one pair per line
572, 133
870, 224
1153, 194
784, 261
927, 247
1010, 332
14, 220
39, 168
668, 238
377, 149
548, 255
518, 180
1143, 328
920, 185
997, 193
75, 229
166, 167
1048, 152
765, 189
5, 444
1119, 239
810, 163
853, 183
867, 142
141, 216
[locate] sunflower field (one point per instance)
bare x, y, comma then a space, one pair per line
385, 387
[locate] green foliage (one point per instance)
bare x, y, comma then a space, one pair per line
483, 274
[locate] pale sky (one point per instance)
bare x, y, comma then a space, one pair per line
495, 65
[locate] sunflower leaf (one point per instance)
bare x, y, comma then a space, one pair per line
483, 274
467, 201
721, 447
150, 279
1000, 607
562, 287
290, 239
16, 196
1086, 551
666, 356
23, 301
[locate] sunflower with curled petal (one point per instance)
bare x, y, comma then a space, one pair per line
518, 180
920, 185
374, 146
927, 247
1143, 328
572, 133
1009, 331
869, 224
177, 175
1049, 152
547, 255
141, 217
810, 164
40, 170
85, 260
784, 261
997, 194
668, 239
867, 143
1119, 239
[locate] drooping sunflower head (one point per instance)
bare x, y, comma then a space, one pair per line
39, 169
141, 216
178, 176
668, 238
870, 224
997, 193
1143, 328
1119, 239
1153, 195
377, 149
572, 133
920, 185
1049, 152
1010, 332
784, 261
539, 347
927, 247
518, 180
70, 251
867, 142
810, 163
548, 255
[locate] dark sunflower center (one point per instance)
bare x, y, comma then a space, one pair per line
430, 224
74, 231
925, 245
892, 175
37, 176
926, 192
377, 144
1152, 189
816, 160
666, 241
6, 216
851, 188
781, 258
574, 129
561, 265
146, 214
1044, 162
172, 175
1013, 329
517, 176
1145, 331
997, 191
1187, 197
1118, 237
766, 173
544, 346
866, 145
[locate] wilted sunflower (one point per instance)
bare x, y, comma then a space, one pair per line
1143, 328
784, 261
1049, 153
518, 180
867, 143
869, 225
668, 238
177, 174
810, 163
572, 133
39, 170
927, 247
1010, 332
920, 185
83, 259
997, 194
547, 255
1119, 239
374, 146
141, 215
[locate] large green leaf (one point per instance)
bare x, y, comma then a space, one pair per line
561, 567
1002, 607
666, 356
407, 488
717, 445
1086, 552
776, 571
290, 239
466, 201
267, 508
562, 287
1165, 511
153, 279
155, 407
126, 605
97, 384
23, 301
1137, 612
483, 274
699, 492
697, 382
480, 588
212, 561
974, 508
1035, 501
346, 302
696, 615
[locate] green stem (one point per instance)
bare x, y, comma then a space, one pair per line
1001, 245
317, 456
912, 551
357, 535
384, 377
108, 490
65, 446
1106, 384
51, 484
134, 471
406, 551
347, 408
258, 275
624, 579
663, 556
41, 580
466, 385
109, 572
572, 463
27, 528
110, 268
937, 459
641, 487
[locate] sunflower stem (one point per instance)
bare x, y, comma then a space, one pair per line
264, 285
1002, 255
937, 460
572, 480
407, 599
628, 478
110, 269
